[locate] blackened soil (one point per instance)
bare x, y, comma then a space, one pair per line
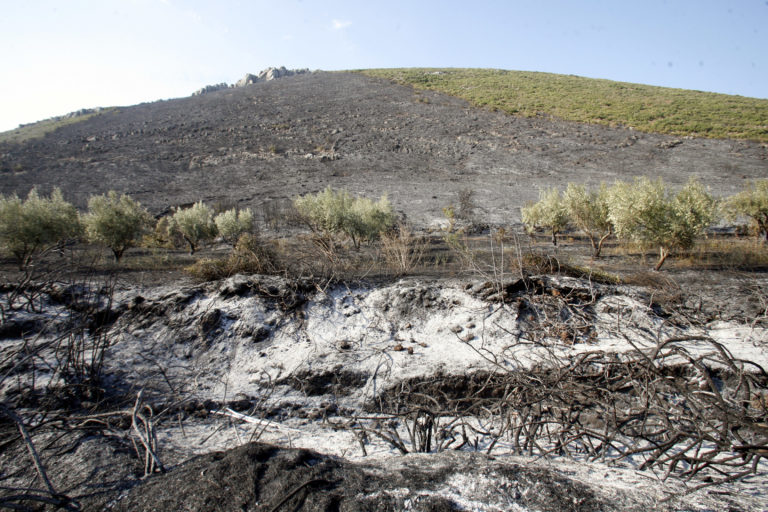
337, 382
263, 477
263, 144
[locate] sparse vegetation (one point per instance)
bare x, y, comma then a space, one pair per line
402, 249
466, 205
116, 221
455, 238
586, 100
249, 256
752, 202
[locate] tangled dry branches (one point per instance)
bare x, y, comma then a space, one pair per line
670, 409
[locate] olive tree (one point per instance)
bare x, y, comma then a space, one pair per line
752, 202
195, 224
333, 214
233, 223
588, 211
115, 220
36, 224
367, 219
647, 213
548, 213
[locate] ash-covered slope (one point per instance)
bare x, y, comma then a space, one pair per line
273, 140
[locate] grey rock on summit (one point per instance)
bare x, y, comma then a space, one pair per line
211, 88
268, 74
249, 78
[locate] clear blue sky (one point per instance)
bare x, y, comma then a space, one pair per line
62, 55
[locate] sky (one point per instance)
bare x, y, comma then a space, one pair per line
58, 56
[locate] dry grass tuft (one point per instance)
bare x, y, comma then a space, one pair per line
249, 256
402, 249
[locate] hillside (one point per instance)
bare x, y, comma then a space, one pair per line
587, 100
263, 144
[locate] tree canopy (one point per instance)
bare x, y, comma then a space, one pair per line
36, 224
195, 224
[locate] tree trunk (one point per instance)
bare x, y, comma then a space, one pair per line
191, 245
118, 253
24, 256
599, 247
595, 247
663, 253
554, 238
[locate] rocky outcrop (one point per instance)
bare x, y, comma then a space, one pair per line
211, 88
269, 74
249, 79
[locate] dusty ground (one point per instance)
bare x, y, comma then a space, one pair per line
263, 144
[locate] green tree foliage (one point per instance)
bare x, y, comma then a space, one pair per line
752, 202
333, 213
647, 213
195, 224
233, 223
548, 213
368, 219
36, 224
588, 211
115, 220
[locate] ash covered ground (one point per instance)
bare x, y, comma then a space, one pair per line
260, 392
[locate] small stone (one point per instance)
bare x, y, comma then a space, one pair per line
345, 345
410, 350
456, 329
398, 347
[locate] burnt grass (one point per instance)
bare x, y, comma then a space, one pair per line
261, 145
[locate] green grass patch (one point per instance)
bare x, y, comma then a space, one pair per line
41, 128
588, 100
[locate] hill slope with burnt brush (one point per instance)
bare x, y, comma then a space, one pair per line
265, 143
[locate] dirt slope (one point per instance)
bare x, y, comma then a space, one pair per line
270, 141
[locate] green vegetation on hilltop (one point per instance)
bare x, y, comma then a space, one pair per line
587, 100
41, 128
